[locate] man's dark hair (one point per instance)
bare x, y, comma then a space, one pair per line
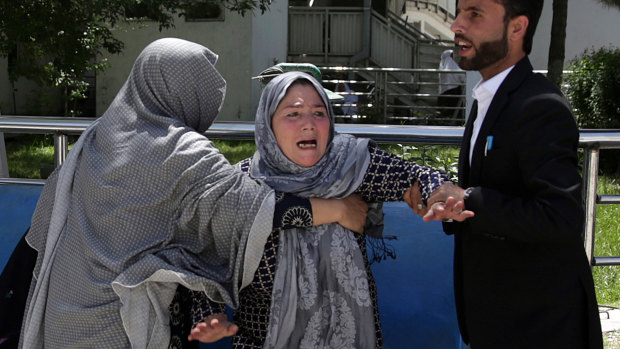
529, 8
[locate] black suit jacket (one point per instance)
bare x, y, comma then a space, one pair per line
522, 279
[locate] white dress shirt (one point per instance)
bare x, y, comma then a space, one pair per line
483, 92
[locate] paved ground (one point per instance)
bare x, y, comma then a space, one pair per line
610, 318
610, 323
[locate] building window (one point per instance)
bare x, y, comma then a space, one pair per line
204, 10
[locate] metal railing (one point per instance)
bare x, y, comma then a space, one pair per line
347, 35
592, 141
441, 8
397, 95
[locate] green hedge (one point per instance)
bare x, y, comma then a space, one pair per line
593, 89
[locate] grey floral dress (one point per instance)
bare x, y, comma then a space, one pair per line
386, 179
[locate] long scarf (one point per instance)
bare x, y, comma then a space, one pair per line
144, 203
321, 297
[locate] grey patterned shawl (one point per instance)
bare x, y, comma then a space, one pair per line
321, 297
143, 203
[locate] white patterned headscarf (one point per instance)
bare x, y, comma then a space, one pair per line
144, 203
321, 297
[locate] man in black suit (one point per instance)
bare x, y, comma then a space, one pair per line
522, 279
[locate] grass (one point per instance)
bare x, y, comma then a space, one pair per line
28, 153
607, 243
235, 151
607, 238
611, 340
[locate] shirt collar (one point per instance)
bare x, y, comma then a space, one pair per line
485, 90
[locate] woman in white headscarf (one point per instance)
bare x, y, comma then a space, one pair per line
143, 203
314, 287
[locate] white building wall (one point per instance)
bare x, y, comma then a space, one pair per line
269, 43
231, 39
449, 5
431, 24
434, 24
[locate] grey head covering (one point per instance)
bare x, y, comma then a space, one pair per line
143, 203
321, 297
340, 170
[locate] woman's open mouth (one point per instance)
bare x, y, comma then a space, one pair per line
307, 144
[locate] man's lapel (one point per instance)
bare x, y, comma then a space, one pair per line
464, 153
498, 104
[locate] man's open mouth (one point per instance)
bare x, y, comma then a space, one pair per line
463, 46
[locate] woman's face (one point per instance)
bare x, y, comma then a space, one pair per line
301, 125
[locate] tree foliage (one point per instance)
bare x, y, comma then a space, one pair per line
593, 89
611, 3
56, 42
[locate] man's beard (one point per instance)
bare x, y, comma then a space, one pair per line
488, 53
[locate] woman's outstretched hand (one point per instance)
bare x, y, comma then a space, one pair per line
349, 212
214, 328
